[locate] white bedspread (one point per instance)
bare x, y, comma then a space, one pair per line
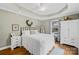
38, 44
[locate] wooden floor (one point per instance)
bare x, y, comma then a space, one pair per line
16, 51
68, 50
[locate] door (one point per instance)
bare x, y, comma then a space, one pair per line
64, 31
73, 29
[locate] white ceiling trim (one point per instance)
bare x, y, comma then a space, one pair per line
40, 15
35, 16
18, 13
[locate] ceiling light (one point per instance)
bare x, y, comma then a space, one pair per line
42, 7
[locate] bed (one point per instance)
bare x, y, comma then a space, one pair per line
37, 43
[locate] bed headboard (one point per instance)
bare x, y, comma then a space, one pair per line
27, 28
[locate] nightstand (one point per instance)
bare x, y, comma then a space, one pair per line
15, 42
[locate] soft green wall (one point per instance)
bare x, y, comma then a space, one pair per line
6, 21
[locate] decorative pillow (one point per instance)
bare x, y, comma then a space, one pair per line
26, 32
34, 32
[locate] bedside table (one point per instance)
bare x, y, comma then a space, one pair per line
15, 41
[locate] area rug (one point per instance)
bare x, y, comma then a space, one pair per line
57, 51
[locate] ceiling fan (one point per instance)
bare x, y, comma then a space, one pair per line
42, 7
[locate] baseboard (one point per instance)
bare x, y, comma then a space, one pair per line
2, 48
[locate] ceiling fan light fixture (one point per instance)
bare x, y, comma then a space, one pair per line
42, 9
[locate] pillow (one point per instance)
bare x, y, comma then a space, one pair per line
34, 31
26, 32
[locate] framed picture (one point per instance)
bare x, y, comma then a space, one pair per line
15, 27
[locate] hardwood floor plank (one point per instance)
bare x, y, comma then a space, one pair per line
68, 50
16, 51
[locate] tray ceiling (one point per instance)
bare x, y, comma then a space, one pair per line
41, 10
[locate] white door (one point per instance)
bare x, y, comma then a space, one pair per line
73, 29
77, 29
64, 31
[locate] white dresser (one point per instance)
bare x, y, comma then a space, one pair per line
15, 41
69, 32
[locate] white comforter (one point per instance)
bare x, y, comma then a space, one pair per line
38, 44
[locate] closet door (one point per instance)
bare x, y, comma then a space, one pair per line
64, 31
73, 29
69, 33
77, 26
77, 35
74, 33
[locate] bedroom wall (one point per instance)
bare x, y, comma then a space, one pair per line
6, 21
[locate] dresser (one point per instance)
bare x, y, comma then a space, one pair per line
69, 32
15, 42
